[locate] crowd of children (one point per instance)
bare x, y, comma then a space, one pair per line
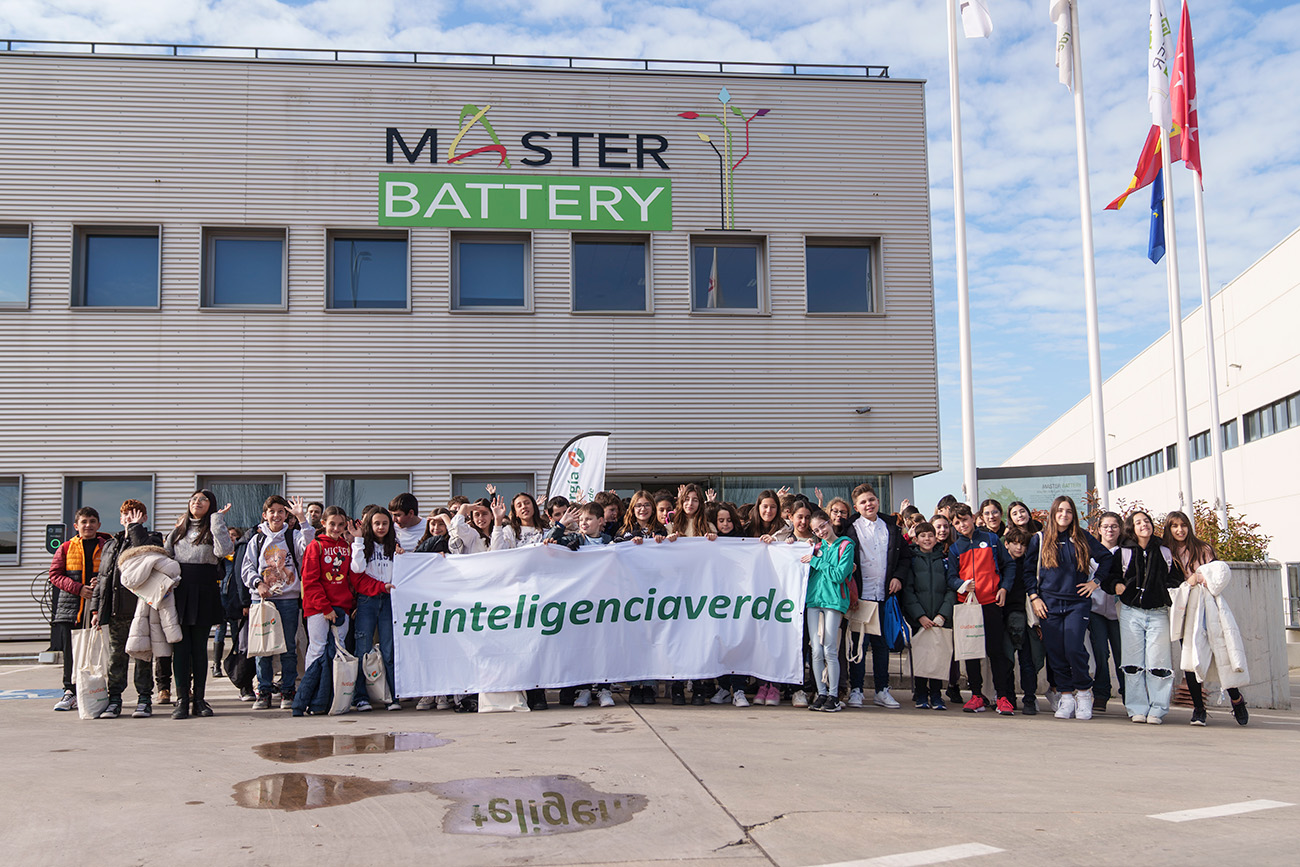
1051, 596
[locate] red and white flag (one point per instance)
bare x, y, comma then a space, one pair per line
1183, 95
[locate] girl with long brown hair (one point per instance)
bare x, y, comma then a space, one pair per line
1057, 579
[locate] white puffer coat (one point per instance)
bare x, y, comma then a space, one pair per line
150, 574
1201, 619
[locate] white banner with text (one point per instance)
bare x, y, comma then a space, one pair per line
546, 616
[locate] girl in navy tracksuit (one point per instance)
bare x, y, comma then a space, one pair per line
1057, 573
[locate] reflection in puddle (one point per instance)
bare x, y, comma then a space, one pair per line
497, 807
311, 791
322, 746
527, 806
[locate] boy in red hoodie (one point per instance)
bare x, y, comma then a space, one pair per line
327, 582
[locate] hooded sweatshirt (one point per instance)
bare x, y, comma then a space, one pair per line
256, 561
327, 576
1060, 583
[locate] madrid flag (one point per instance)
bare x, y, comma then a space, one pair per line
1183, 95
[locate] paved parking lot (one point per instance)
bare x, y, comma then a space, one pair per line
637, 785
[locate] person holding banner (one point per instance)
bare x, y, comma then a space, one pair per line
640, 524
831, 591
524, 525
689, 521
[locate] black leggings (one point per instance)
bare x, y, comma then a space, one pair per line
190, 662
1198, 700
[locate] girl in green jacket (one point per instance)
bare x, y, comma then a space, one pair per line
831, 592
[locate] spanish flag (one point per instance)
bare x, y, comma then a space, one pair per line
1147, 168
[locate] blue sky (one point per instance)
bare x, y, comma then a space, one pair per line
1026, 271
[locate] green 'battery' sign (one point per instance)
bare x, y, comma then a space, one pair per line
459, 201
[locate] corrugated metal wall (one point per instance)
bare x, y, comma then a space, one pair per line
193, 143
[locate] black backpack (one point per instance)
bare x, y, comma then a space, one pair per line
259, 541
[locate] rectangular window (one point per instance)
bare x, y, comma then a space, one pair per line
727, 275
1142, 468
367, 271
1251, 420
15, 256
354, 493
475, 485
1281, 418
1229, 429
116, 266
609, 276
106, 495
245, 494
491, 272
1171, 455
11, 518
839, 276
244, 268
1200, 445
1293, 409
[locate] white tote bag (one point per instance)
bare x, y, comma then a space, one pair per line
90, 666
346, 667
503, 702
968, 629
265, 632
932, 652
376, 676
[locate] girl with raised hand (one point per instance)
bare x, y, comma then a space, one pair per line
1192, 553
1147, 572
374, 545
199, 542
467, 529
435, 539
639, 525
725, 518
1060, 590
688, 519
830, 593
524, 525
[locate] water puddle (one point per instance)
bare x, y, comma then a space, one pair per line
309, 749
293, 792
529, 806
495, 807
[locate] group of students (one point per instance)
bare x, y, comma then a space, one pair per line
1047, 592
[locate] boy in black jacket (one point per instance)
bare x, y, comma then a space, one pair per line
114, 607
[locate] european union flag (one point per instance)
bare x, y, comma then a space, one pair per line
1156, 243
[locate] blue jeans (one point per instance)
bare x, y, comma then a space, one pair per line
375, 614
289, 610
1104, 635
1147, 661
1065, 629
825, 653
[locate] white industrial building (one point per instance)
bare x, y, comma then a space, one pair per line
1258, 377
345, 275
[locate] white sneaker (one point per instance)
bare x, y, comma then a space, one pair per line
1155, 721
1053, 698
444, 702
738, 698
583, 699
1066, 706
426, 703
799, 699
605, 697
855, 698
68, 702
394, 705
722, 696
1083, 704
884, 699
1138, 718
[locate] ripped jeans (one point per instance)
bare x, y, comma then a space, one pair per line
1147, 661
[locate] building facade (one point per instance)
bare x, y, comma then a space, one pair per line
344, 279
1258, 380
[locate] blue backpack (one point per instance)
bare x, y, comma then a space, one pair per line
893, 626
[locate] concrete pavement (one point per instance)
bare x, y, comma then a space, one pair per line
627, 785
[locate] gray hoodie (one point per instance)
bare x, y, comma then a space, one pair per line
255, 561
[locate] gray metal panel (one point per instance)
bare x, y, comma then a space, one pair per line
188, 144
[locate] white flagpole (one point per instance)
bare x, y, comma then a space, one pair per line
1176, 330
969, 482
1212, 368
1089, 273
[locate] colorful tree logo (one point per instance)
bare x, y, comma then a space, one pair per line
726, 168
